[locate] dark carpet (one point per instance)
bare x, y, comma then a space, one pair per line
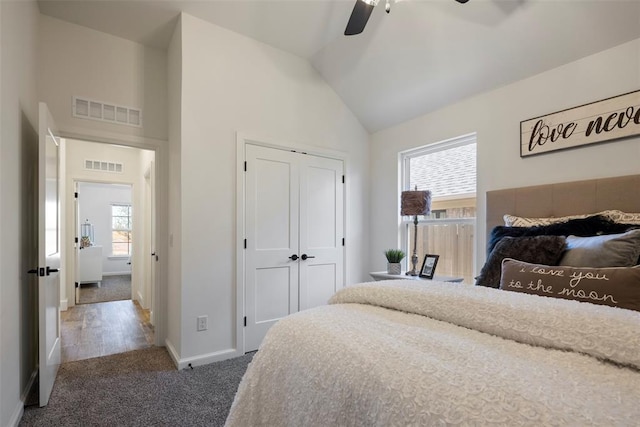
140, 388
112, 288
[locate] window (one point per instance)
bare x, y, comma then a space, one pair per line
120, 230
448, 169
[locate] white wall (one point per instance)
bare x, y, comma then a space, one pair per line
496, 116
76, 152
78, 61
18, 163
232, 83
95, 206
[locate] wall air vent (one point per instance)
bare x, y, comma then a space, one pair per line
85, 108
103, 166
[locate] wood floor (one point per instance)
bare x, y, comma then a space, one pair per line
100, 329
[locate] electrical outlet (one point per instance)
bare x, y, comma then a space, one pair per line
202, 323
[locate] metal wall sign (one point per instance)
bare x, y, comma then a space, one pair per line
605, 120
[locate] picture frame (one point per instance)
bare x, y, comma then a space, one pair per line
429, 266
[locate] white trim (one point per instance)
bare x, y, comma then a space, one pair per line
242, 139
200, 360
27, 388
240, 233
403, 179
140, 299
172, 352
205, 359
160, 147
64, 304
457, 141
14, 421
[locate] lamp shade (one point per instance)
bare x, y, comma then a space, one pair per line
415, 202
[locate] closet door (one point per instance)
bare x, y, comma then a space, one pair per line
272, 212
321, 230
294, 229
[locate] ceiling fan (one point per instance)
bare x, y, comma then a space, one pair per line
361, 12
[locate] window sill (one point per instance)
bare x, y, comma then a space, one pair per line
119, 257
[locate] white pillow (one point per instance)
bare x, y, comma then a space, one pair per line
614, 215
624, 217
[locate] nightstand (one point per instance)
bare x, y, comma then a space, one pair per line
383, 275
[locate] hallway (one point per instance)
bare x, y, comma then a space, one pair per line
101, 329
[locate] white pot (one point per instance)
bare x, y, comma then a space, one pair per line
394, 267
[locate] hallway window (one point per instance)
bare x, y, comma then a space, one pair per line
121, 230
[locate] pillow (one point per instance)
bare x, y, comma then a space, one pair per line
537, 249
614, 286
519, 221
589, 226
613, 215
611, 250
624, 217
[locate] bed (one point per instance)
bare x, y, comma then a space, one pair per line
430, 353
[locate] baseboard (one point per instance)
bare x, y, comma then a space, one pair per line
140, 300
17, 414
64, 304
172, 352
27, 388
204, 359
116, 273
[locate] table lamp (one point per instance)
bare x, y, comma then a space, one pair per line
415, 203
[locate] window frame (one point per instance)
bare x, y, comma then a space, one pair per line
128, 230
405, 223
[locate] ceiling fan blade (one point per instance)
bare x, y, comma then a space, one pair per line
462, 1
359, 17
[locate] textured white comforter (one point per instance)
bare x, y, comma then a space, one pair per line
401, 353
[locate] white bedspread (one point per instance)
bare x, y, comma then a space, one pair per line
399, 353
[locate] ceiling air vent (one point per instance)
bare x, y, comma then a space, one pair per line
85, 108
103, 166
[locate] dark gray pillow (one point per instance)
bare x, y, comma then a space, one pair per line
590, 226
611, 250
535, 249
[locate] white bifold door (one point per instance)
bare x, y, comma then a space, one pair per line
294, 257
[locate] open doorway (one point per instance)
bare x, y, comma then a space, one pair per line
104, 221
109, 238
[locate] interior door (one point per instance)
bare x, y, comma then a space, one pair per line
321, 230
150, 239
271, 275
76, 245
48, 254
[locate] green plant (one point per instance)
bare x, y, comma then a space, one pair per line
394, 255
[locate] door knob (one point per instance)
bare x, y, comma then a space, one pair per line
294, 257
51, 270
305, 256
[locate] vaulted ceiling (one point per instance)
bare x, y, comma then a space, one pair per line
422, 56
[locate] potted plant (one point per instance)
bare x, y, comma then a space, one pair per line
394, 257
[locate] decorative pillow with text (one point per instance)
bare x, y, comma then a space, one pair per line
613, 286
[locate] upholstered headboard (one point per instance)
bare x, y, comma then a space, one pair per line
568, 198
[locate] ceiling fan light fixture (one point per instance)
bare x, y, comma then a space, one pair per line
370, 2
